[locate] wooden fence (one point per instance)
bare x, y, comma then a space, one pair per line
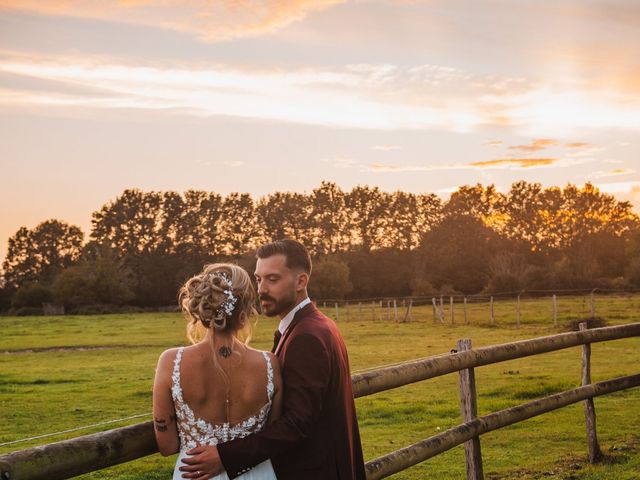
500, 308
93, 452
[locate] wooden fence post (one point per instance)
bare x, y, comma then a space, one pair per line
451, 307
388, 309
469, 409
493, 318
407, 313
395, 309
337, 311
441, 310
555, 310
466, 320
380, 311
435, 308
595, 454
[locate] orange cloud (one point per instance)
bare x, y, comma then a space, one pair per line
578, 145
211, 21
535, 146
520, 162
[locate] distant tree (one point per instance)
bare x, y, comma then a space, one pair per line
521, 208
285, 215
402, 230
476, 201
130, 224
458, 253
199, 229
380, 273
238, 226
330, 279
330, 232
101, 280
37, 255
31, 295
172, 211
367, 214
632, 273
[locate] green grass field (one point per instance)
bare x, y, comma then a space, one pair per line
57, 373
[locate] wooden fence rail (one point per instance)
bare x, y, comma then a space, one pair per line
88, 453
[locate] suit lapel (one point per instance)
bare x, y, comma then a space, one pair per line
300, 314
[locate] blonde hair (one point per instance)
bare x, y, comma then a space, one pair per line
202, 297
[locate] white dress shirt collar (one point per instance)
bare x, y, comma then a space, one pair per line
286, 321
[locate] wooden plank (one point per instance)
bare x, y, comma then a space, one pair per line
469, 411
595, 454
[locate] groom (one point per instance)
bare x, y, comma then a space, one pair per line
317, 436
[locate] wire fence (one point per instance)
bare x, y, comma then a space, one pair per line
557, 308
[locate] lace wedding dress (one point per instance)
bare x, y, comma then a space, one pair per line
194, 431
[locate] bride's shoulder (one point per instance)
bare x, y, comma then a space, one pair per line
168, 357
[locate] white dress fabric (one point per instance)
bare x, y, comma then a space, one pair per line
194, 431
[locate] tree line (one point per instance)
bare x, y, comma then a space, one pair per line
365, 242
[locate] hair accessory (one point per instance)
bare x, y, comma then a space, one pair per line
226, 308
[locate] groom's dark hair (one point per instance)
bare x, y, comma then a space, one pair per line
297, 256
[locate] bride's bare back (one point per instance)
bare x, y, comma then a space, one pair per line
241, 378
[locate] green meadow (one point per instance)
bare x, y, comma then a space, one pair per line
59, 373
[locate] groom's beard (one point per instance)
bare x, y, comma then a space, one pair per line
277, 307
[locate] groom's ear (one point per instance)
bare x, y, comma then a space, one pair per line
302, 282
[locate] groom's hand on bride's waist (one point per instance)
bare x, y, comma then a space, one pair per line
201, 463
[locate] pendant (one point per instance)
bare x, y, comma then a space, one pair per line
225, 351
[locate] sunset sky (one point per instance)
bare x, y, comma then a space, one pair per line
261, 96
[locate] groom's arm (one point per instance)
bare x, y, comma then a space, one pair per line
306, 377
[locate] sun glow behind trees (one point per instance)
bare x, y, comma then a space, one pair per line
156, 239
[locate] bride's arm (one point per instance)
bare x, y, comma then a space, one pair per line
164, 414
276, 406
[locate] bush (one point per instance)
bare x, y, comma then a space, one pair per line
632, 273
503, 282
330, 279
31, 295
26, 311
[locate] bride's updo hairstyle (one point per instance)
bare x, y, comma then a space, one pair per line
221, 298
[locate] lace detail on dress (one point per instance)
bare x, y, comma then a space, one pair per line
195, 431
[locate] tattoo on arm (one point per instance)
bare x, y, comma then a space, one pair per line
160, 424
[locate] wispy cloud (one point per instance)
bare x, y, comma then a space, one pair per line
493, 143
382, 97
519, 162
535, 145
578, 145
233, 163
381, 168
210, 21
611, 173
341, 162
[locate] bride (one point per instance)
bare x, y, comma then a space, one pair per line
218, 388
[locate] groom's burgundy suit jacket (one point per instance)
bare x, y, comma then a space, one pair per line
317, 436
